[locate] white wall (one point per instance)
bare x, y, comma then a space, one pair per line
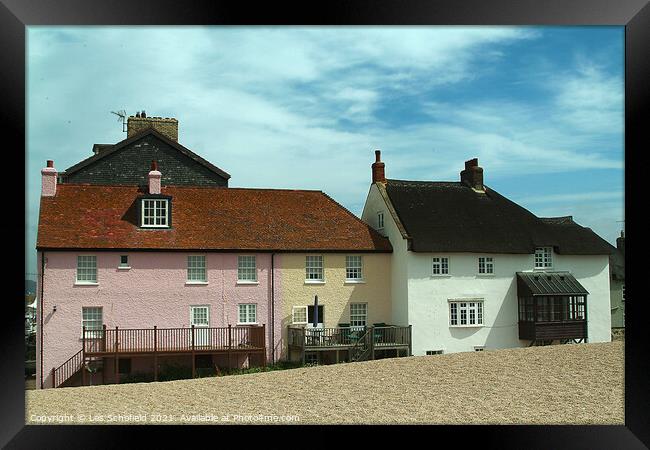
399, 276
429, 295
429, 306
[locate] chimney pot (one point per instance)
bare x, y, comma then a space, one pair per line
377, 155
50, 163
154, 165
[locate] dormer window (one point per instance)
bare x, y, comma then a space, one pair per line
155, 213
543, 258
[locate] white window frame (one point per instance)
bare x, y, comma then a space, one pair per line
207, 315
155, 215
86, 267
94, 331
293, 315
462, 308
486, 263
122, 265
309, 265
354, 263
440, 261
195, 267
380, 220
244, 267
357, 316
248, 307
543, 258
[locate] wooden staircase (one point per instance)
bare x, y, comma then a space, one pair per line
68, 369
362, 349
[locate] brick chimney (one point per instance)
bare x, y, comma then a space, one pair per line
154, 178
48, 183
472, 176
166, 126
378, 173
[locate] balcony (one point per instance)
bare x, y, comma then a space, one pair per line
360, 342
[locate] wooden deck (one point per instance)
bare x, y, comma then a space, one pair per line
361, 343
154, 342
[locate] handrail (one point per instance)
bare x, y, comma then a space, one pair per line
159, 340
66, 370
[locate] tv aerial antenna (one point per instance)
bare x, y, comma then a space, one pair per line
121, 117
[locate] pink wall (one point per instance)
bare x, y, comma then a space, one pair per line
152, 292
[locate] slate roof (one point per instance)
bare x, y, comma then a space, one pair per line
108, 149
451, 217
548, 283
84, 216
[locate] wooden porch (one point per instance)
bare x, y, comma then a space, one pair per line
360, 343
116, 343
552, 307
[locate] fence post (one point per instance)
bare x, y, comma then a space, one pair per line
229, 346
155, 354
410, 340
372, 342
193, 356
53, 377
117, 342
104, 337
264, 345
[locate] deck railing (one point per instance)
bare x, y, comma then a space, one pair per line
348, 336
160, 340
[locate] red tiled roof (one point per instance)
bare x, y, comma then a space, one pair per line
209, 218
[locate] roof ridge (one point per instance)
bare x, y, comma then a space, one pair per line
183, 186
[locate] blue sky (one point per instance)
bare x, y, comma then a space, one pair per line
305, 107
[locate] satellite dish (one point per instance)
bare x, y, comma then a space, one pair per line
121, 117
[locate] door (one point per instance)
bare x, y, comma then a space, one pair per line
200, 318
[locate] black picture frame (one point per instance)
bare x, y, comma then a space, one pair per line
15, 15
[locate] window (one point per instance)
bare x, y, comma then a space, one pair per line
124, 261
196, 269
155, 213
485, 265
246, 268
353, 268
466, 313
440, 266
380, 220
199, 316
314, 268
247, 313
479, 348
543, 257
91, 319
434, 352
299, 315
86, 269
358, 314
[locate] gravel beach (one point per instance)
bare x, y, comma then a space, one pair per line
559, 384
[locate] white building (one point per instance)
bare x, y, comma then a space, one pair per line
472, 270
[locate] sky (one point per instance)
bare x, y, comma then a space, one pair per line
306, 107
